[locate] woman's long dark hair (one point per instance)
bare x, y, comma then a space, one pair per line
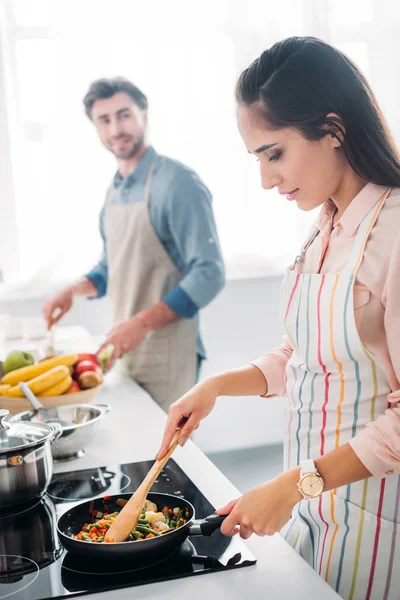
298, 81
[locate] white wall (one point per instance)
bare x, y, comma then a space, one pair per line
9, 261
242, 323
238, 326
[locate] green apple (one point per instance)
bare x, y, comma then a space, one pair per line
16, 360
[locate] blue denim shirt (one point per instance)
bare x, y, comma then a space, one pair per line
182, 217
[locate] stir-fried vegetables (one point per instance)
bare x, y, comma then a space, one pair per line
151, 523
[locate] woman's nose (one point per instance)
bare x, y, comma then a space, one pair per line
268, 183
269, 180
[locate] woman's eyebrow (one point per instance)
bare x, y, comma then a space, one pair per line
263, 148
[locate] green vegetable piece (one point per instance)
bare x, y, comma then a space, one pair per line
172, 524
86, 538
137, 535
146, 530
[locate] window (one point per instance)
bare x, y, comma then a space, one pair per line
187, 63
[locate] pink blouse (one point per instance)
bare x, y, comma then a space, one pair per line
377, 312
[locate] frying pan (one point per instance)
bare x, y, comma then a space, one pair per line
153, 549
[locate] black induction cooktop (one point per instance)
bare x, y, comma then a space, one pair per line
35, 566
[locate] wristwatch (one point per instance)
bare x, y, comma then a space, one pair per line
311, 484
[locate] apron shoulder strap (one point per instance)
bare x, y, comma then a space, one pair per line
355, 259
110, 195
149, 180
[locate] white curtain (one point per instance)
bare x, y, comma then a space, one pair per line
186, 57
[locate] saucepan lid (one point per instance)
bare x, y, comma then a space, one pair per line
22, 434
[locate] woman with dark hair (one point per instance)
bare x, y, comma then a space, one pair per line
308, 114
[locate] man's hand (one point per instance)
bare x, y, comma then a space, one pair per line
60, 304
124, 336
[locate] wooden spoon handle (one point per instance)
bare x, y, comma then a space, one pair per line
158, 466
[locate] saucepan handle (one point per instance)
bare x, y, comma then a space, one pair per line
104, 408
57, 430
207, 526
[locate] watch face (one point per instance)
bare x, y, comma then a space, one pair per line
311, 485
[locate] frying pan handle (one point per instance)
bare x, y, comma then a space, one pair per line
207, 526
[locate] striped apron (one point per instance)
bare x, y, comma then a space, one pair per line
334, 387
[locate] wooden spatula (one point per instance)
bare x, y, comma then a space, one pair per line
126, 520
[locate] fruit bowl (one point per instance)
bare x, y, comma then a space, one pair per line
17, 405
57, 381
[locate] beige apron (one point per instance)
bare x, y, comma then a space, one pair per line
140, 273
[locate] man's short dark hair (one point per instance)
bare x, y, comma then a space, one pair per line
106, 88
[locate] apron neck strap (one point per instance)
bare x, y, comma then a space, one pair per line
149, 181
364, 230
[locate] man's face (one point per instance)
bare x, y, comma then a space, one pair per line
121, 125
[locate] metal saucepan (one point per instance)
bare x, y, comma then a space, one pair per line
78, 426
151, 550
26, 462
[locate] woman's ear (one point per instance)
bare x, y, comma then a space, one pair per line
334, 125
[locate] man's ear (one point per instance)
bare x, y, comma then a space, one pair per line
334, 125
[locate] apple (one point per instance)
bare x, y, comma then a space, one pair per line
91, 357
16, 360
74, 387
104, 355
83, 366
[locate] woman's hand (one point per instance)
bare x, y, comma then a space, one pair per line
194, 406
263, 510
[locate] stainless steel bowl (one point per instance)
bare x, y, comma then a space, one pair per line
78, 426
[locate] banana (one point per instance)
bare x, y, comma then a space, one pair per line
3, 388
32, 371
57, 389
40, 383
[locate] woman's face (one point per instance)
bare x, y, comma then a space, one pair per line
305, 171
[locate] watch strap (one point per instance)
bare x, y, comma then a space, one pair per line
308, 466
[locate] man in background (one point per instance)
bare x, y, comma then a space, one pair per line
162, 260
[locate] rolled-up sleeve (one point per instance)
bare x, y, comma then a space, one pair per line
192, 227
272, 365
98, 275
378, 444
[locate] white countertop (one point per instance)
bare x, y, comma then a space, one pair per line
280, 573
